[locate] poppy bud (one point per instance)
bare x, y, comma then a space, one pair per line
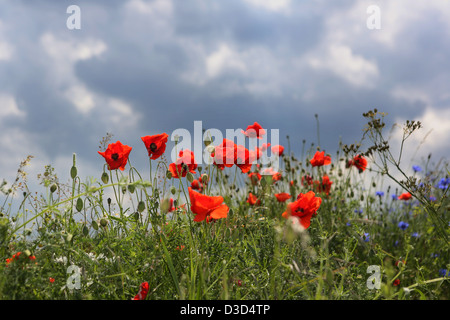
79, 205
95, 225
205, 178
199, 168
141, 206
169, 174
207, 141
190, 177
131, 188
53, 188
105, 178
109, 201
103, 222
165, 205
73, 172
85, 230
173, 190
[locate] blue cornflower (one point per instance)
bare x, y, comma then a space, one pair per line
415, 235
417, 168
379, 193
366, 237
432, 198
444, 183
394, 197
403, 225
348, 224
444, 273
358, 210
396, 243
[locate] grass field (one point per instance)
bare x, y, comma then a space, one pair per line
325, 226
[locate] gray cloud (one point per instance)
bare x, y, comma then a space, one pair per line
145, 67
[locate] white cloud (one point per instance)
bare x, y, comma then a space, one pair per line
6, 51
271, 5
73, 51
8, 106
353, 68
222, 60
81, 97
64, 54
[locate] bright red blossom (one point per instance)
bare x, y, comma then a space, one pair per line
156, 144
303, 208
254, 131
324, 185
254, 177
320, 159
116, 155
282, 197
207, 207
278, 150
405, 196
184, 164
252, 199
143, 291
359, 162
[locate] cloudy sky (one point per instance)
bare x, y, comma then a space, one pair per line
142, 67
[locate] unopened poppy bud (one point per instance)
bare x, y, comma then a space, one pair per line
173, 190
105, 178
53, 188
103, 222
205, 178
95, 225
169, 174
85, 230
131, 188
165, 205
109, 201
73, 172
190, 177
141, 206
79, 205
207, 141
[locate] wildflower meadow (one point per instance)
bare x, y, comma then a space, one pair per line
356, 224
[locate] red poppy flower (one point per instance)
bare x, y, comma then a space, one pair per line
156, 144
303, 208
243, 160
320, 159
143, 291
225, 154
116, 155
324, 185
254, 177
307, 180
282, 197
276, 176
405, 196
254, 131
171, 207
252, 199
197, 185
396, 282
359, 162
51, 279
184, 164
207, 207
278, 150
